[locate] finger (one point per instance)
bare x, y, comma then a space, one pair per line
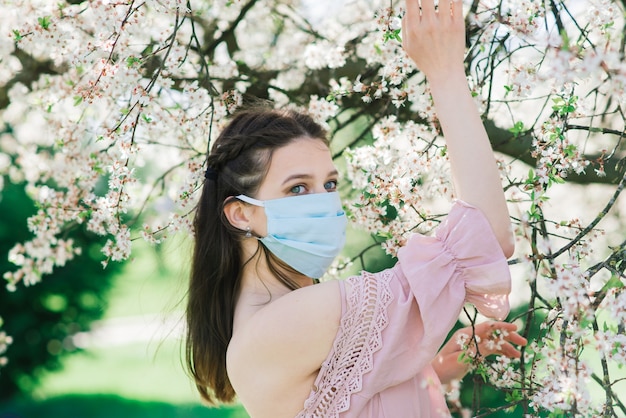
487, 329
412, 11
509, 326
405, 24
503, 327
509, 332
403, 27
406, 42
428, 7
445, 10
516, 339
502, 348
510, 351
456, 8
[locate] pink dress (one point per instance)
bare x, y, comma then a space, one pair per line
394, 322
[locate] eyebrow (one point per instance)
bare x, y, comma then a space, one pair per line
306, 176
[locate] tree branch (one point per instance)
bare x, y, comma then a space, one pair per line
32, 69
229, 33
518, 147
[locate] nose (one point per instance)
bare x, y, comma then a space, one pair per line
319, 188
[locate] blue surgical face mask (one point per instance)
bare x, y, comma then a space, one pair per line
307, 231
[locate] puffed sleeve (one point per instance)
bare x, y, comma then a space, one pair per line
394, 322
461, 262
434, 277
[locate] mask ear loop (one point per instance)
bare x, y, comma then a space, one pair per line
250, 200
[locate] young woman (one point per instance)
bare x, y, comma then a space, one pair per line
270, 221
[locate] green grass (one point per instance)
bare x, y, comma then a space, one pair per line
140, 371
153, 281
138, 378
107, 406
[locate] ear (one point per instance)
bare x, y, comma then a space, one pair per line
238, 214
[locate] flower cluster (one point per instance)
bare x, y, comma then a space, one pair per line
5, 341
502, 371
502, 374
105, 118
563, 379
398, 173
571, 286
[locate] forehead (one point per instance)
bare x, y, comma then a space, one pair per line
305, 155
301, 148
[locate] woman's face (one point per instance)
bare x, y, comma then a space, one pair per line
303, 166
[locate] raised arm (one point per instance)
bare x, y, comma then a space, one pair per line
435, 41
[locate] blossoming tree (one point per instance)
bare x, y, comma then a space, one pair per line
109, 105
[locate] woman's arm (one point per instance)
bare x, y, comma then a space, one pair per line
493, 337
435, 41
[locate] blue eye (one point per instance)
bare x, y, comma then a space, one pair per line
297, 189
331, 185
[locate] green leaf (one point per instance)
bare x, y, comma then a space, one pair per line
564, 107
570, 150
17, 36
565, 38
130, 61
44, 22
518, 128
78, 100
392, 34
608, 25
513, 397
368, 195
558, 103
384, 235
391, 214
555, 178
613, 283
532, 178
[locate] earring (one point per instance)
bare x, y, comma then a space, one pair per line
248, 233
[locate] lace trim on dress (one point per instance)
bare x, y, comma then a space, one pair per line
358, 338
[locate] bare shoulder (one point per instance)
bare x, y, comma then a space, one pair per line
285, 342
304, 321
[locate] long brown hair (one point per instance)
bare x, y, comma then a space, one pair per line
238, 162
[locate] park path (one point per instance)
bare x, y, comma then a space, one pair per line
127, 330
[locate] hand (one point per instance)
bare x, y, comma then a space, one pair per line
433, 37
493, 337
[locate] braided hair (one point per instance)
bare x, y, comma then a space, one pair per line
237, 164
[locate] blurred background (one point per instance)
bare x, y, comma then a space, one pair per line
96, 342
